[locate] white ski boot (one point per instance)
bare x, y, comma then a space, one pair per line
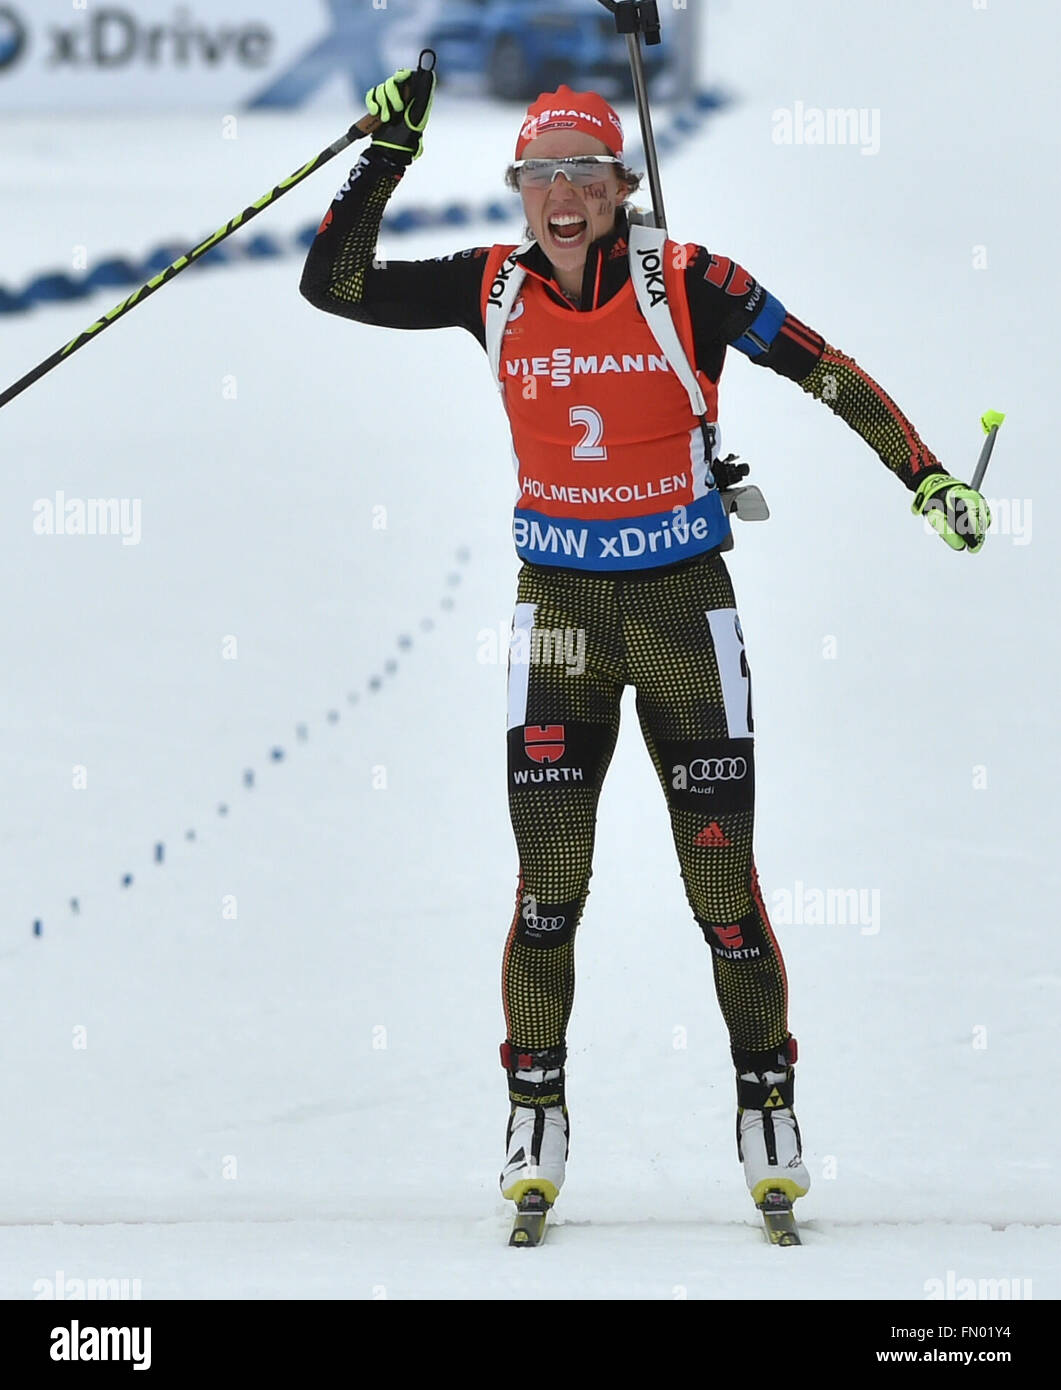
768, 1139
537, 1135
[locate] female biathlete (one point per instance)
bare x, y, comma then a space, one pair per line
608, 349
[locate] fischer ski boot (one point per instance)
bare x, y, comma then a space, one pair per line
537, 1135
768, 1138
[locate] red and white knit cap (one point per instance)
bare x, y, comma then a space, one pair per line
568, 110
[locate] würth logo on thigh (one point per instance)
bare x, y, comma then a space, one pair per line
555, 754
741, 940
731, 937
544, 743
542, 746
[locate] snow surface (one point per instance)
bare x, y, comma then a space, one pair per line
372, 915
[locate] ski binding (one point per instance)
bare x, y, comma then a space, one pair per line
528, 1225
778, 1220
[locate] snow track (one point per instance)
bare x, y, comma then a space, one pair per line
241, 1105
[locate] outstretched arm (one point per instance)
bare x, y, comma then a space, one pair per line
730, 308
851, 393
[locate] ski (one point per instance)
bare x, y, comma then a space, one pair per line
778, 1220
528, 1225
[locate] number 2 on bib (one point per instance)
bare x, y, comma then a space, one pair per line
589, 447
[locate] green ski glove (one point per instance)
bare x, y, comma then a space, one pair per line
403, 104
953, 509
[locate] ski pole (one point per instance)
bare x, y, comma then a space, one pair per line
632, 19
991, 420
365, 126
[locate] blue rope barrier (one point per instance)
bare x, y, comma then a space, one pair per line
122, 272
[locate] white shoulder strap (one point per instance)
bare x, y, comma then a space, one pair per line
646, 270
503, 294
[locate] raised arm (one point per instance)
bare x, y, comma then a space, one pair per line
342, 275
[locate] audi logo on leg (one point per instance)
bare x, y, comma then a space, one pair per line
544, 923
718, 769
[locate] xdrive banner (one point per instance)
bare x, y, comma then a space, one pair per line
154, 55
